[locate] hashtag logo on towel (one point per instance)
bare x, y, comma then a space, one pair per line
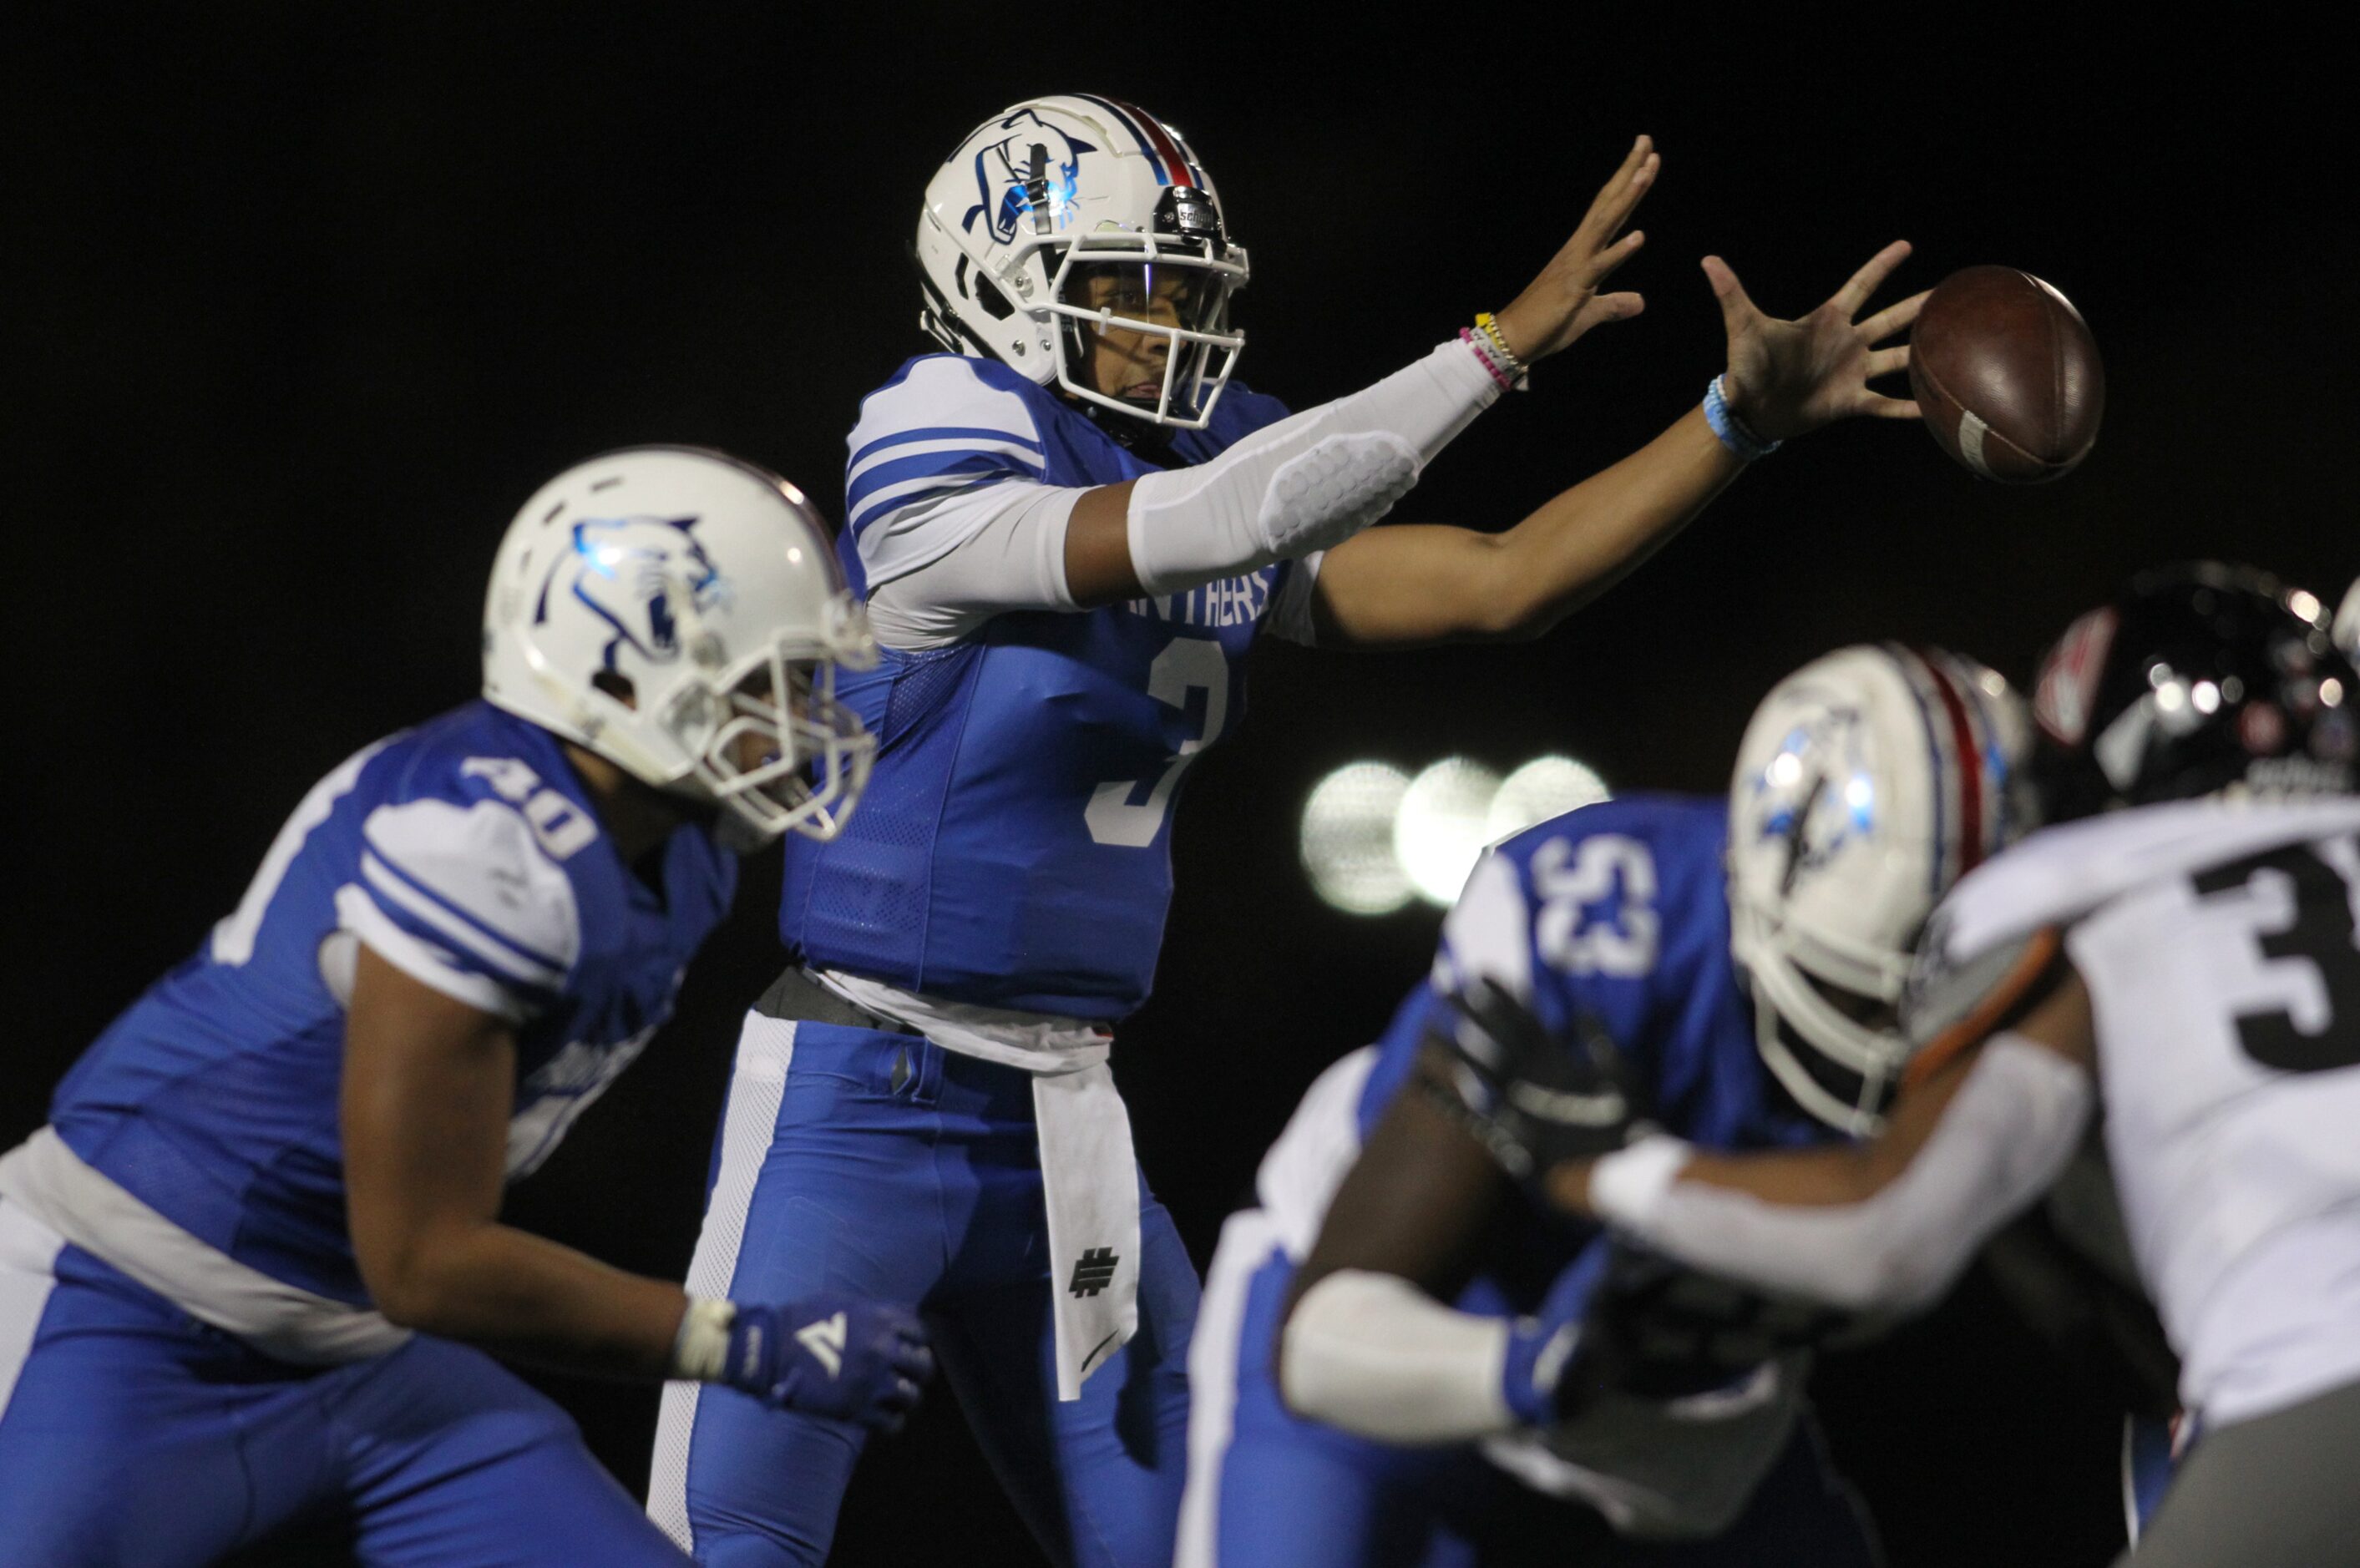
1094, 1271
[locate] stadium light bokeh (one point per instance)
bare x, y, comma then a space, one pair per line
1373, 838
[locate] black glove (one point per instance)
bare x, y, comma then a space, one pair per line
1659, 1330
1531, 1097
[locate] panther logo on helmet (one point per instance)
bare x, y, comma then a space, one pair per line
1798, 799
1036, 166
632, 568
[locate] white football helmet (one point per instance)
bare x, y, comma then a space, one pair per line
1869, 781
1053, 191
679, 611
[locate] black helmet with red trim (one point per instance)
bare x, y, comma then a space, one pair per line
2201, 678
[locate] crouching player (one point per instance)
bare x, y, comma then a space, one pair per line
237, 1266
1400, 1359
2191, 965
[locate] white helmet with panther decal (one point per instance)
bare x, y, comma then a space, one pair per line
1059, 214
1869, 782
682, 613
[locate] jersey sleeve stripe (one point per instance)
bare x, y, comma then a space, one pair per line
969, 435
903, 497
963, 461
429, 965
474, 939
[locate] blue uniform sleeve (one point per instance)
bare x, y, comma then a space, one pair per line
462, 898
943, 429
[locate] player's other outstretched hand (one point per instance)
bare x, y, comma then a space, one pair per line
1564, 303
1535, 1100
838, 1357
1788, 378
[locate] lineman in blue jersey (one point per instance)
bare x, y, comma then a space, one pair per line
236, 1267
1071, 527
1570, 1401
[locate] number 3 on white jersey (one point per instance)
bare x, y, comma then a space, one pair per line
1188, 663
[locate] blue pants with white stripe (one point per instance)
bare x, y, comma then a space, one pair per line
877, 1163
131, 1434
1270, 1489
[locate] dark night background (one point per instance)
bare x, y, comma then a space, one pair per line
300, 307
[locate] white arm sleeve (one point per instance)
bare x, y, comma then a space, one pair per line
1373, 1355
1307, 482
2002, 1141
1012, 557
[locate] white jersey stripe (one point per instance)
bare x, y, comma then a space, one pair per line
478, 944
1026, 453
766, 1048
28, 1255
1248, 1241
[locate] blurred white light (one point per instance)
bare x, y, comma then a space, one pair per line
1785, 769
1544, 788
2305, 604
1347, 839
2331, 691
1442, 826
2206, 696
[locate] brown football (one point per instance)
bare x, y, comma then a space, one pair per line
2007, 376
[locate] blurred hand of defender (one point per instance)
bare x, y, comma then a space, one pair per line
1786, 378
1563, 302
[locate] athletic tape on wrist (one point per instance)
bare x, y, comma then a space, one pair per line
700, 1351
1627, 1187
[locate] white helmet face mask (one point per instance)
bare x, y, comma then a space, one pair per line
682, 613
1062, 218
1869, 782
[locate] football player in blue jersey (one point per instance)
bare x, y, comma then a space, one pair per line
246, 1268
1070, 527
1403, 1359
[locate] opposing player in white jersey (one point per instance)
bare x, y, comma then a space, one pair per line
243, 1269
1071, 527
2189, 964
1403, 1363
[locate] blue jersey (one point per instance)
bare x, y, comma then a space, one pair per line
1618, 912
1013, 846
466, 854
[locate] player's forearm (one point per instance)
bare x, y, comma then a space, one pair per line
524, 1296
1370, 1354
1587, 538
1299, 486
1884, 1228
1403, 586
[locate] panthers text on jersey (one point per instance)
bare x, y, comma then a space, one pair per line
1618, 914
1012, 849
2217, 943
465, 853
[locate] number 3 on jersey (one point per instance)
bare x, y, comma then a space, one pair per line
1186, 664
1622, 944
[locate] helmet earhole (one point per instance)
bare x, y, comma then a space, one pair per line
619, 687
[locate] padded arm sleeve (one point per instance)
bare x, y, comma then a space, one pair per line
1307, 482
1373, 1355
2001, 1142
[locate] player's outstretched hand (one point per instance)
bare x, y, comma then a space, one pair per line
838, 1357
1564, 303
1788, 378
1533, 1098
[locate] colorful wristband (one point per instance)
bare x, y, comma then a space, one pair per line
1730, 428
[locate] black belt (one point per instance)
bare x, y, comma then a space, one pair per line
798, 994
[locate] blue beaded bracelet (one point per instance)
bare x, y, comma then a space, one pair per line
1730, 428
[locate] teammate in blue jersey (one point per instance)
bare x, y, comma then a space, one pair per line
1401, 1359
243, 1268
1070, 526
